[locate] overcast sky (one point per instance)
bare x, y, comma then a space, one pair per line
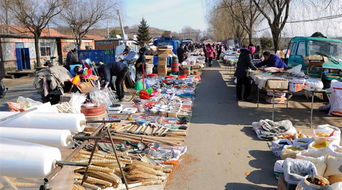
166, 14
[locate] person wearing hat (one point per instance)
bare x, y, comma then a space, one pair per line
243, 64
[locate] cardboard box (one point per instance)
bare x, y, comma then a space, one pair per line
277, 84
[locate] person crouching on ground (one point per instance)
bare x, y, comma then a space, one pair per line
118, 69
244, 62
271, 60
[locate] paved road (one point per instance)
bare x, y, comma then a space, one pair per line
223, 152
14, 91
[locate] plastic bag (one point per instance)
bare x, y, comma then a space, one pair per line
296, 71
104, 96
76, 102
302, 142
312, 84
329, 133
336, 186
290, 151
318, 161
296, 170
278, 145
306, 185
336, 98
335, 150
319, 146
334, 166
278, 169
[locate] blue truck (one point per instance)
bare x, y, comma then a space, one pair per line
165, 41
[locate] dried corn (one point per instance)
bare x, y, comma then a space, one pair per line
145, 169
78, 187
136, 175
94, 180
21, 184
90, 186
101, 169
114, 179
151, 182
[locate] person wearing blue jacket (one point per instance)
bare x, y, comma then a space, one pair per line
271, 60
118, 69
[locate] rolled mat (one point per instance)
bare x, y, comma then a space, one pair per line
49, 137
26, 160
43, 120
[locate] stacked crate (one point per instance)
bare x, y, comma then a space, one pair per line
163, 53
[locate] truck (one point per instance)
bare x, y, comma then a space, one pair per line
167, 41
320, 57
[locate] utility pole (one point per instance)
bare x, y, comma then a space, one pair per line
121, 25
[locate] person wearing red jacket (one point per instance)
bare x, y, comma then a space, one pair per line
210, 54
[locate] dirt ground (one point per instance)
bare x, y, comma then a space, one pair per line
223, 151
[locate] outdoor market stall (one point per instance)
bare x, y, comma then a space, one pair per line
281, 85
109, 144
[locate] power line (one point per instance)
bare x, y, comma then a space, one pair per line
308, 20
317, 19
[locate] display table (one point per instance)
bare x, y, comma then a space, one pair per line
285, 83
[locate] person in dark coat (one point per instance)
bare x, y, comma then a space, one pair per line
205, 52
243, 64
219, 51
271, 60
71, 59
140, 64
181, 53
118, 69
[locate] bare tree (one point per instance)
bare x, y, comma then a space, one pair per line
245, 13
223, 26
5, 14
35, 16
82, 20
189, 33
276, 13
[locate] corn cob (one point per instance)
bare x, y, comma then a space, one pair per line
136, 162
90, 186
100, 169
94, 180
78, 187
136, 175
145, 169
151, 182
21, 184
114, 179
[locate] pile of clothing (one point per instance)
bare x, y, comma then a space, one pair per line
268, 129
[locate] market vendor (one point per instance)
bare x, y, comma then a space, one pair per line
140, 64
243, 64
118, 69
271, 60
181, 53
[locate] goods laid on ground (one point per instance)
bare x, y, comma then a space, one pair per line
307, 162
148, 133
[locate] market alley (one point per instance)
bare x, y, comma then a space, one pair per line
222, 151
